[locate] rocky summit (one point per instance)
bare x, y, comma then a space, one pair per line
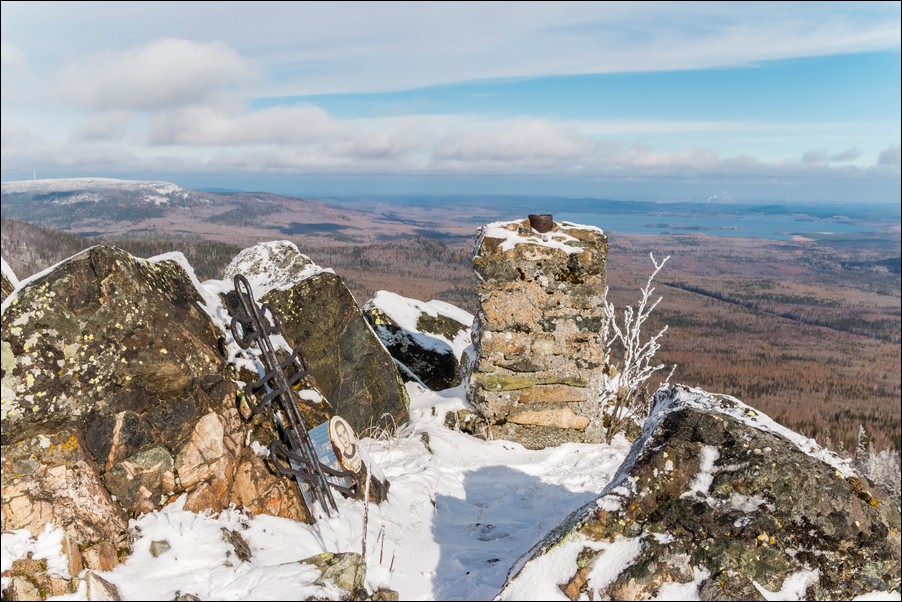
121, 393
124, 408
717, 498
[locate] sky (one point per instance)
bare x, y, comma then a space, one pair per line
674, 100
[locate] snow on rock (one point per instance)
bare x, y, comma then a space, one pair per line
427, 338
515, 232
459, 512
275, 265
729, 505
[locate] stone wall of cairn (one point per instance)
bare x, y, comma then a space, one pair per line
536, 336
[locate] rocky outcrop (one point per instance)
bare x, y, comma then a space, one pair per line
116, 398
348, 363
52, 479
536, 335
718, 501
429, 339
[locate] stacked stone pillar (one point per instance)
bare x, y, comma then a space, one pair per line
536, 336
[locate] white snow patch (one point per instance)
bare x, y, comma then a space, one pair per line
508, 233
77, 184
310, 395
274, 265
259, 449
406, 313
746, 503
663, 538
540, 578
200, 562
47, 545
702, 482
794, 586
615, 557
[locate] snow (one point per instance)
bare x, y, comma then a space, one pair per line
794, 586
746, 503
559, 239
406, 312
156, 192
702, 482
461, 513
78, 184
615, 557
539, 580
274, 265
454, 523
47, 544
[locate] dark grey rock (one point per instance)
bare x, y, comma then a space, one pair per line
770, 511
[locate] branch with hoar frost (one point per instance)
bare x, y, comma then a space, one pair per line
623, 393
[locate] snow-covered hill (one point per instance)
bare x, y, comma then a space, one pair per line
72, 184
78, 190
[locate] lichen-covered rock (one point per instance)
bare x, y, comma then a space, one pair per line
318, 313
536, 337
350, 365
429, 339
8, 280
346, 570
117, 357
719, 501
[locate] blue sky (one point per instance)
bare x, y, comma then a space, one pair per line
755, 101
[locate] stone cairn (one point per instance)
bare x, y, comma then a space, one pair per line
536, 334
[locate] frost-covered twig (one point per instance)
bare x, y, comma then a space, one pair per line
623, 392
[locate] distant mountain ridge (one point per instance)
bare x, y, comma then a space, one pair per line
67, 191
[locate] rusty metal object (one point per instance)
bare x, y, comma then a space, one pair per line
294, 453
541, 222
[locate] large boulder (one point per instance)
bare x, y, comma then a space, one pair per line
347, 361
117, 398
718, 501
429, 339
8, 280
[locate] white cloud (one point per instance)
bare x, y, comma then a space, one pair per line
12, 57
163, 73
14, 72
110, 127
891, 157
518, 141
314, 47
845, 156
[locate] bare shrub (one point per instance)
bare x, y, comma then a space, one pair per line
624, 392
